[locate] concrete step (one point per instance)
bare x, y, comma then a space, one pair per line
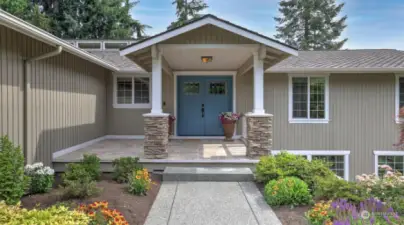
208, 174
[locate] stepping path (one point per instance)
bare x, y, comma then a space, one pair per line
210, 203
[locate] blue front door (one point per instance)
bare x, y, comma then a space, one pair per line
200, 100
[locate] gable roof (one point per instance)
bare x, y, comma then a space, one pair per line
361, 60
124, 64
28, 29
202, 21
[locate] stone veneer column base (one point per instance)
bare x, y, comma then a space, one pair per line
155, 136
259, 135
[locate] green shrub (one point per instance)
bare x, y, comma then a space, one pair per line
333, 188
15, 215
286, 165
42, 178
13, 182
139, 182
92, 165
78, 182
287, 191
123, 168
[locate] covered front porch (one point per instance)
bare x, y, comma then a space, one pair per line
191, 55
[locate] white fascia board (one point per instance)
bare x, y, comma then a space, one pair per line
203, 22
30, 30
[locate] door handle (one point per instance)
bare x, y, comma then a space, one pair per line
203, 110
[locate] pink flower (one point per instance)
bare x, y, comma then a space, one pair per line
386, 167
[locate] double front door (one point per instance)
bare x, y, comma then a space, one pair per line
200, 101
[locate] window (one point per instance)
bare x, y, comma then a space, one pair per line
132, 91
217, 88
399, 94
395, 159
191, 88
308, 99
339, 159
337, 163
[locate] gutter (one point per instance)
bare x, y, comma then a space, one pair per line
30, 30
27, 87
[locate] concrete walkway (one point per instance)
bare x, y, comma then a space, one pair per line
210, 203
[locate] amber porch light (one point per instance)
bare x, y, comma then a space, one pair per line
206, 59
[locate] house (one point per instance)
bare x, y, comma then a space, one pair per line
57, 98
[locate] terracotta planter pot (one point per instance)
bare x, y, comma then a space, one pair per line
228, 130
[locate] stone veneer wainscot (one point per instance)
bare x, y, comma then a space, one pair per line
156, 136
259, 135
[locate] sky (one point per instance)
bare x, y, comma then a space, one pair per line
371, 23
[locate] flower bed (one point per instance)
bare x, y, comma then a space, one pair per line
82, 195
370, 200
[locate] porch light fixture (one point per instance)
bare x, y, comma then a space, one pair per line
206, 59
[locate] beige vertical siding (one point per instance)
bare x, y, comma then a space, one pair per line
209, 34
66, 101
130, 121
362, 108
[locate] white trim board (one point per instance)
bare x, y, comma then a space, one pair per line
326, 99
77, 147
397, 96
203, 73
202, 22
310, 153
378, 153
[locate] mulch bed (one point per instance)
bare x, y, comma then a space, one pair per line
134, 208
288, 215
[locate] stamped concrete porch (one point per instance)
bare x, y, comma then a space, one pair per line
181, 152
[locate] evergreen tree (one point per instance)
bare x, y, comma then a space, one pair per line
80, 19
27, 10
311, 24
187, 10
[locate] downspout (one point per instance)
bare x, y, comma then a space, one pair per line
27, 86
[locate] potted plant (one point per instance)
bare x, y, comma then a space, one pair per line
228, 120
171, 120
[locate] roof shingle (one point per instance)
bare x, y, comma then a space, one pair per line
344, 60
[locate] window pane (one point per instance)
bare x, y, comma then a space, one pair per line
317, 96
395, 162
191, 88
217, 88
124, 90
337, 163
299, 89
142, 88
401, 81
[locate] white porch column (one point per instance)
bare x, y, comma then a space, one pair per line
259, 82
157, 83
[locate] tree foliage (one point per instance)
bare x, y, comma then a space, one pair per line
187, 10
80, 19
311, 24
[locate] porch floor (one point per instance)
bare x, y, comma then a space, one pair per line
178, 150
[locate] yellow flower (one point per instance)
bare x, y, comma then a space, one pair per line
137, 177
276, 188
324, 213
274, 193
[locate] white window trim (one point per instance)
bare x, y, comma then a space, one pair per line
326, 99
133, 105
311, 153
397, 97
378, 153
